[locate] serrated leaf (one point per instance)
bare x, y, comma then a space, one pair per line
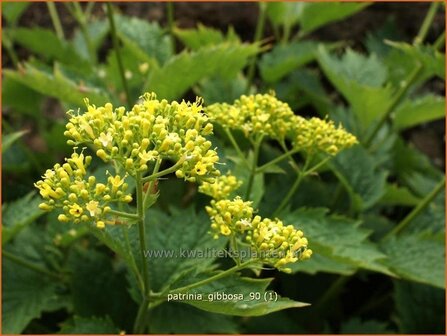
184, 70
45, 43
317, 14
221, 90
432, 60
417, 257
89, 325
418, 111
361, 80
203, 36
284, 58
178, 245
58, 85
9, 139
12, 11
242, 301
18, 214
26, 295
284, 13
94, 287
337, 238
322, 263
189, 319
146, 39
361, 175
420, 308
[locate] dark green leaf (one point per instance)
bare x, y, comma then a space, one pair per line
97, 31
358, 326
417, 257
89, 325
20, 97
184, 70
396, 195
360, 174
26, 295
18, 214
189, 319
420, 308
336, 238
243, 300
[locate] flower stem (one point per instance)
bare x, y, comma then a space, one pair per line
123, 214
163, 172
236, 146
143, 248
117, 52
258, 35
396, 100
213, 278
29, 265
277, 159
55, 20
440, 41
426, 23
254, 165
417, 210
303, 173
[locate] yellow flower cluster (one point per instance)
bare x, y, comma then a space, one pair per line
151, 131
254, 114
80, 198
265, 114
320, 135
222, 187
229, 217
278, 245
274, 243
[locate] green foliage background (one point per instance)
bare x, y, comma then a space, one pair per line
365, 276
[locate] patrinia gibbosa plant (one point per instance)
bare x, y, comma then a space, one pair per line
157, 138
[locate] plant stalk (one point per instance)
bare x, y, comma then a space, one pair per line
257, 38
118, 54
55, 20
417, 210
428, 20
123, 214
253, 167
236, 146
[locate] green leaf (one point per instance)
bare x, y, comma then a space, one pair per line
339, 239
18, 214
361, 175
89, 325
322, 263
147, 39
421, 110
241, 297
396, 195
98, 287
179, 245
20, 97
284, 58
189, 319
185, 69
417, 257
284, 13
97, 31
433, 61
357, 326
203, 36
45, 43
12, 11
58, 85
221, 90
9, 139
317, 14
420, 308
26, 295
361, 81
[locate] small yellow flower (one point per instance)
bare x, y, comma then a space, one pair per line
200, 168
75, 210
106, 139
92, 207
